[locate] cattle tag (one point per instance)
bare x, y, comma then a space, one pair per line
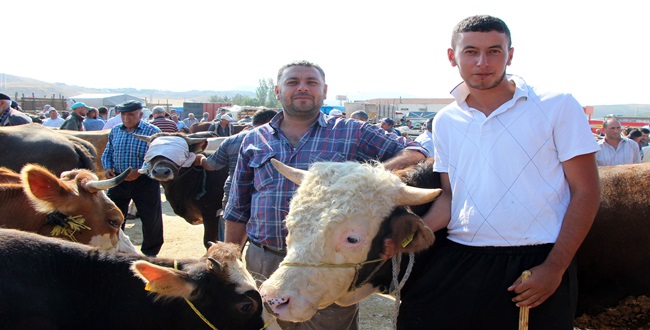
407, 240
156, 288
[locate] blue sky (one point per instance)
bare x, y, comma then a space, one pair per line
368, 49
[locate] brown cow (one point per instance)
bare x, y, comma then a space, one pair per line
73, 207
98, 139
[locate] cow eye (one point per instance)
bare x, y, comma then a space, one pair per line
245, 307
353, 240
114, 223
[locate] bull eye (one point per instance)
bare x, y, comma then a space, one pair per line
115, 223
353, 240
245, 307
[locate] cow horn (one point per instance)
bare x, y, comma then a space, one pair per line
416, 196
95, 186
295, 175
144, 138
191, 141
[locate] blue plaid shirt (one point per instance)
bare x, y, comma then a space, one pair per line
123, 150
260, 195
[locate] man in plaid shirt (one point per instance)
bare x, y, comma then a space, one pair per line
122, 151
298, 136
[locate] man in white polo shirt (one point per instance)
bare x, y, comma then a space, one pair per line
521, 191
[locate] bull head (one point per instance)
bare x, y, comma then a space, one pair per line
408, 195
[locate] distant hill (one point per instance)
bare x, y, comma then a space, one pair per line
20, 86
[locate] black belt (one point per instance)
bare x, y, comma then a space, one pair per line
265, 248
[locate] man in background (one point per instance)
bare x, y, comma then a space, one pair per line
426, 138
74, 122
124, 151
614, 148
54, 120
360, 115
10, 116
92, 122
159, 120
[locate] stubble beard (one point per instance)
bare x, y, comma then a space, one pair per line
483, 86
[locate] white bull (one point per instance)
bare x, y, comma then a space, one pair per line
333, 218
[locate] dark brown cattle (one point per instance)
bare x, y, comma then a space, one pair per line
98, 139
33, 143
614, 260
193, 193
73, 207
54, 284
200, 127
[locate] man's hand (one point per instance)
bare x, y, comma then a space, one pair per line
109, 173
390, 249
198, 161
133, 174
541, 284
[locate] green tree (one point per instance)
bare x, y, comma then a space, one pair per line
218, 99
271, 102
262, 91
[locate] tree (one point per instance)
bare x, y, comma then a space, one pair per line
219, 99
262, 91
272, 101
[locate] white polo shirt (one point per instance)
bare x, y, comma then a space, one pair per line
505, 170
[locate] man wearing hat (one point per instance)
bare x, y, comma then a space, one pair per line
74, 122
336, 113
387, 124
10, 116
223, 127
124, 151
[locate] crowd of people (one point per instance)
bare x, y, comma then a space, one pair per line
484, 144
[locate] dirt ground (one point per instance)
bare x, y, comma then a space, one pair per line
183, 240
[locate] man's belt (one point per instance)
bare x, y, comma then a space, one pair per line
265, 248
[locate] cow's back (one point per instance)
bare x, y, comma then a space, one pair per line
33, 143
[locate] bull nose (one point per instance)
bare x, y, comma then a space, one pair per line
162, 174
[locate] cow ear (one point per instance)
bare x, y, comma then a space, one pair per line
43, 188
409, 231
163, 281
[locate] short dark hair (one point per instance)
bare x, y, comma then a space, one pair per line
102, 110
263, 116
645, 130
300, 63
361, 114
635, 133
480, 23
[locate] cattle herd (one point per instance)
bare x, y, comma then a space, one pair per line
51, 184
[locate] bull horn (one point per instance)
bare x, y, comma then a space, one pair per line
410, 196
95, 186
295, 175
191, 141
144, 138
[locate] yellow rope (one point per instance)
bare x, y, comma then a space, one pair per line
196, 311
346, 265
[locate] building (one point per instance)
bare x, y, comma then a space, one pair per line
396, 108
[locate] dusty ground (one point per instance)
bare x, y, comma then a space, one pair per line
185, 240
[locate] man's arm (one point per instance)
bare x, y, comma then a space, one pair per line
404, 158
235, 232
439, 213
582, 175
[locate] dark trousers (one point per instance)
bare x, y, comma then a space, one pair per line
145, 193
465, 287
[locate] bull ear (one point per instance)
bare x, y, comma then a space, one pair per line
293, 174
163, 281
409, 231
215, 266
43, 188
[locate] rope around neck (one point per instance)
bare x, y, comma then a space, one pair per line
396, 286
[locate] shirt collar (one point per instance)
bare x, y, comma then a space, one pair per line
461, 91
277, 119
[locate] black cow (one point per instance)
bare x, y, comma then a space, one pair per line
53, 284
193, 193
33, 143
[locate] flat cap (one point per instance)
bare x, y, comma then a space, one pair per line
129, 106
4, 96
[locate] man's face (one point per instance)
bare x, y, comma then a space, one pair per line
386, 126
301, 90
5, 104
613, 130
53, 114
131, 119
81, 111
481, 58
190, 116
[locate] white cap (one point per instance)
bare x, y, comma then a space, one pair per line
226, 117
336, 112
